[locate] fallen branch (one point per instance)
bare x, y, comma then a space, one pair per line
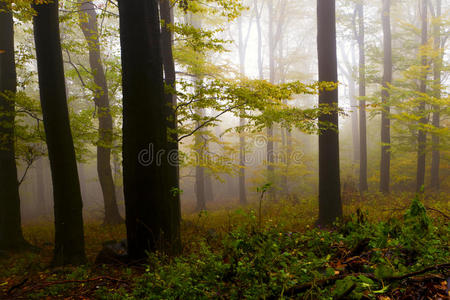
325, 282
331, 280
426, 270
438, 211
100, 278
16, 286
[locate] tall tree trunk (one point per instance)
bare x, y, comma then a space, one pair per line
354, 105
387, 79
437, 66
88, 24
173, 176
200, 171
151, 218
11, 237
69, 235
330, 206
40, 196
362, 107
83, 184
209, 193
422, 138
242, 52
270, 135
260, 44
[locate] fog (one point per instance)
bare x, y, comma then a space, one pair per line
292, 53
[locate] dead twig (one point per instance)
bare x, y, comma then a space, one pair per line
16, 286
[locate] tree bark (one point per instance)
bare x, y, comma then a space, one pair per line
330, 206
88, 24
242, 52
422, 138
151, 218
11, 237
354, 105
166, 13
387, 80
200, 172
69, 235
270, 131
363, 187
437, 66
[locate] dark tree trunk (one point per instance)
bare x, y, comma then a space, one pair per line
88, 24
422, 137
11, 237
387, 79
69, 236
362, 106
173, 175
437, 66
330, 206
151, 218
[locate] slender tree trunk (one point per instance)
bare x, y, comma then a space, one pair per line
69, 235
88, 24
270, 131
209, 193
355, 125
151, 218
288, 156
11, 237
83, 184
40, 185
437, 66
387, 79
354, 105
422, 138
166, 13
330, 206
260, 44
362, 107
242, 188
200, 172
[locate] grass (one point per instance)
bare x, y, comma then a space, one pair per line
228, 255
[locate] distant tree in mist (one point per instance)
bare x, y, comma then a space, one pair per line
360, 37
422, 137
437, 69
386, 81
88, 24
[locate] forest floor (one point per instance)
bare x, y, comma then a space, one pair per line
385, 248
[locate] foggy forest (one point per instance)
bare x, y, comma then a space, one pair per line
224, 149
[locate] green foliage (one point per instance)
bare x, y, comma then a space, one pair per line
254, 264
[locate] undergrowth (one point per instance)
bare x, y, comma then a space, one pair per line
371, 254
